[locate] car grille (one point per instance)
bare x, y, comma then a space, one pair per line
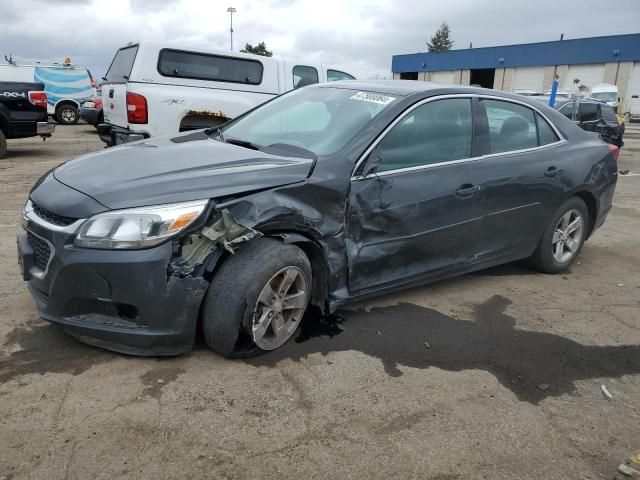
53, 218
41, 251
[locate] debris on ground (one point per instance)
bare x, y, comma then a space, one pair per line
623, 172
426, 344
620, 285
543, 386
605, 391
628, 471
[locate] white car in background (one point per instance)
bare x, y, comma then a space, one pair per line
156, 89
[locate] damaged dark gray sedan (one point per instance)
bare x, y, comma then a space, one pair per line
324, 195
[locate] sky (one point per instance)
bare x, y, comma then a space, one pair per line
359, 35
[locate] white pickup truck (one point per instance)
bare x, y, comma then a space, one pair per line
155, 89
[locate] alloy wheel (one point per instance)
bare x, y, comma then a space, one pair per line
567, 236
279, 309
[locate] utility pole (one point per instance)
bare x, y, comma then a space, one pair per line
231, 10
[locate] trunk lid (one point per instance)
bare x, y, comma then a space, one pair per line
114, 104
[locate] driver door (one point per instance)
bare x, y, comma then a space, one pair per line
413, 212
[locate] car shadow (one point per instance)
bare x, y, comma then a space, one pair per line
533, 365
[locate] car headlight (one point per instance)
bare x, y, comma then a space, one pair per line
138, 227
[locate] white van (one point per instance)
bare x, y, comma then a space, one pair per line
606, 93
159, 89
66, 86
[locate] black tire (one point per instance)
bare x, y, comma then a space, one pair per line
3, 145
67, 114
543, 258
228, 306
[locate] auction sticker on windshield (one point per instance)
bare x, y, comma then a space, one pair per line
373, 98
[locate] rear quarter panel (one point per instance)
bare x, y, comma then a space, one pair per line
588, 166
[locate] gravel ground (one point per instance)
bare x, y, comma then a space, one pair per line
493, 375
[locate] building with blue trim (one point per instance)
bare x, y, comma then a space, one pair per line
612, 59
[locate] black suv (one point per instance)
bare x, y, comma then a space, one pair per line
593, 116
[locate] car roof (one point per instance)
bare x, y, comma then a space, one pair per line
404, 88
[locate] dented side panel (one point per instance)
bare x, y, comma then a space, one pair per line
406, 225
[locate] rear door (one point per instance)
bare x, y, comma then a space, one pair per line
519, 177
114, 89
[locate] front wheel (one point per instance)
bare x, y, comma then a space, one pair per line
67, 115
259, 294
563, 238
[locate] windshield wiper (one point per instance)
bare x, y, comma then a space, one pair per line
243, 143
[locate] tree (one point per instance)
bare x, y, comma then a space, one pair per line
260, 49
440, 42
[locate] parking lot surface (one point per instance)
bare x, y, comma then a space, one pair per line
493, 375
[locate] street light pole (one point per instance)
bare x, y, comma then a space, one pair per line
231, 10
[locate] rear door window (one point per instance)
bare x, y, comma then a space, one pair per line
546, 135
588, 112
122, 64
511, 126
304, 75
202, 66
438, 131
335, 75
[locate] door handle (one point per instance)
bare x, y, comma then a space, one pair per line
111, 93
552, 172
467, 190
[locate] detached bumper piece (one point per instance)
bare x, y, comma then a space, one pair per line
45, 129
113, 135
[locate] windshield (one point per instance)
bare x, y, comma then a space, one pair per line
319, 119
605, 96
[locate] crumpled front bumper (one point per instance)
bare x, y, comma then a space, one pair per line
120, 300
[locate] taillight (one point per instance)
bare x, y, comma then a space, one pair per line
136, 108
39, 99
614, 151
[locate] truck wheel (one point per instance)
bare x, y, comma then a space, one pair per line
258, 295
563, 238
3, 145
67, 114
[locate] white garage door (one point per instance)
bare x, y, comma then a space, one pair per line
633, 93
588, 75
443, 77
528, 78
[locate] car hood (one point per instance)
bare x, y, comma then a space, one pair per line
191, 166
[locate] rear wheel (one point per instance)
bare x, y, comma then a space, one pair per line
67, 114
3, 145
258, 296
563, 238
